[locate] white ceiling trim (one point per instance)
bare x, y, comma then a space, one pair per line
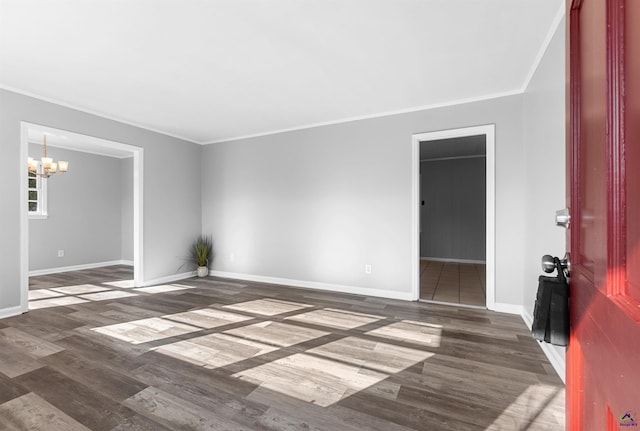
272, 132
378, 115
96, 113
536, 63
271, 68
545, 45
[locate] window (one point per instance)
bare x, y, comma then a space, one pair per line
37, 194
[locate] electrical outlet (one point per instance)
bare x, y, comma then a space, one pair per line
60, 253
232, 257
367, 268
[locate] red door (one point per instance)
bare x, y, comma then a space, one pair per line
603, 368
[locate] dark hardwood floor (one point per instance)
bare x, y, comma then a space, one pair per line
212, 354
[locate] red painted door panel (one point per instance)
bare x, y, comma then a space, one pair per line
603, 360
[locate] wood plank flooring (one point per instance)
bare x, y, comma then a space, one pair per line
211, 354
453, 283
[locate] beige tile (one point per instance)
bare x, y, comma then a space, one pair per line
334, 318
268, 306
30, 412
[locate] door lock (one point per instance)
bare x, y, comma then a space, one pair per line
563, 218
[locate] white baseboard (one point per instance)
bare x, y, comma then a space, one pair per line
79, 267
446, 259
551, 352
11, 311
169, 278
389, 294
502, 307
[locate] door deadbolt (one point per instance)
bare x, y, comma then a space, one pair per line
563, 218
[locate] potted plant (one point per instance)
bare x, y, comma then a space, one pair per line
201, 254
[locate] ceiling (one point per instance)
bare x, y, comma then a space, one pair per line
215, 70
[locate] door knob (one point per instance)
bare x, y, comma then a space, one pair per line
549, 263
563, 218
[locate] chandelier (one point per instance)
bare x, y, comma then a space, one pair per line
49, 167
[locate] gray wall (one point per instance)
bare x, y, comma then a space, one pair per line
126, 204
544, 136
318, 204
453, 217
172, 216
84, 212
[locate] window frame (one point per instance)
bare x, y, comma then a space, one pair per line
41, 190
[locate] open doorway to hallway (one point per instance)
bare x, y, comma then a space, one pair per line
454, 216
453, 220
453, 282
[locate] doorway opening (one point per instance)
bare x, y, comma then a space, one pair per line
454, 217
85, 148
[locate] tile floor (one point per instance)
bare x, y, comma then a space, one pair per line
452, 282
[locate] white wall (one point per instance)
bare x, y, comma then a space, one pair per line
544, 138
84, 212
126, 205
316, 205
172, 215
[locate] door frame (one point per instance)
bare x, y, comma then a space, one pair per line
138, 189
489, 131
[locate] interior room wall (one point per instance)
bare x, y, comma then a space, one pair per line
84, 212
126, 205
545, 167
453, 209
172, 214
317, 205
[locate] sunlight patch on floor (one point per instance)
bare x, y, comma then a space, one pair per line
267, 306
162, 288
426, 334
533, 405
215, 350
145, 330
207, 318
333, 318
